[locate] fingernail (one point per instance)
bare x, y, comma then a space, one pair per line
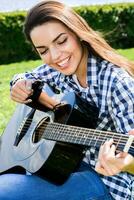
111, 140
29, 100
28, 87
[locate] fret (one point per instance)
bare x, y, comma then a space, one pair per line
67, 135
118, 142
98, 138
73, 136
83, 137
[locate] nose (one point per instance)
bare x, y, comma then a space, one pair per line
55, 54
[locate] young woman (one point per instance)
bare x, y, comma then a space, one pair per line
77, 59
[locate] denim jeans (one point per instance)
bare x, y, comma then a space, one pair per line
82, 185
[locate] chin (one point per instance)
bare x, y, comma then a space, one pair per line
67, 73
71, 70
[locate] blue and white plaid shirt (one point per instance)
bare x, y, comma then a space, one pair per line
111, 89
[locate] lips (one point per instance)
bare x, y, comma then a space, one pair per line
64, 63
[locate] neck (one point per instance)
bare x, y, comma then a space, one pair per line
85, 136
81, 72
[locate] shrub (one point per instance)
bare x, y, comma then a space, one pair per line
114, 21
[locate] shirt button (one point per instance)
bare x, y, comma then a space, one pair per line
62, 78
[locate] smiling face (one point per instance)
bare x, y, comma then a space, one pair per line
57, 46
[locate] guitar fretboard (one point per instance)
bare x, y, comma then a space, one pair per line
84, 136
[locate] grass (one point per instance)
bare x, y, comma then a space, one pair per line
6, 73
7, 106
129, 53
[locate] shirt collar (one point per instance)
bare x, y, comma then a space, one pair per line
92, 70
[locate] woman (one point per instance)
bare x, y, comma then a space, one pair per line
77, 59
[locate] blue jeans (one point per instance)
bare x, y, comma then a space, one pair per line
82, 185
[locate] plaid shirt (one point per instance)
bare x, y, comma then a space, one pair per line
111, 89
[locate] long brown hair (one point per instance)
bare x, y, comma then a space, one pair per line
55, 10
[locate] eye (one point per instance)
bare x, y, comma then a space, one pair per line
62, 41
43, 52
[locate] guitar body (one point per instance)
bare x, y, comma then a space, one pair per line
23, 148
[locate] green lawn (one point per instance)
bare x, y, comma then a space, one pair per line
6, 73
129, 53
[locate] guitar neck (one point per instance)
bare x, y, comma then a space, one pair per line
84, 136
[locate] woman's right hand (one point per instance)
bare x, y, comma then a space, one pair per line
21, 91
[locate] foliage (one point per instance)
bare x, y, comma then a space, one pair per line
13, 46
114, 21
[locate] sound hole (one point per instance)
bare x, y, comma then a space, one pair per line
37, 135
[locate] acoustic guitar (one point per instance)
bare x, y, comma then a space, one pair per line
52, 143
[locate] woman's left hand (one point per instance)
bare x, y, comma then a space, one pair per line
110, 162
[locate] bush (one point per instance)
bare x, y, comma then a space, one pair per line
13, 46
114, 21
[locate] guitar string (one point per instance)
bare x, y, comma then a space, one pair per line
96, 138
119, 145
88, 142
85, 141
95, 132
47, 124
83, 129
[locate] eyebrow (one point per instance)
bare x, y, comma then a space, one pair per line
52, 41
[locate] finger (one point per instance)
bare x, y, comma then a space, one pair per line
19, 94
107, 156
23, 85
21, 101
100, 152
131, 132
107, 144
100, 169
102, 165
28, 85
121, 155
105, 149
107, 170
107, 167
112, 151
